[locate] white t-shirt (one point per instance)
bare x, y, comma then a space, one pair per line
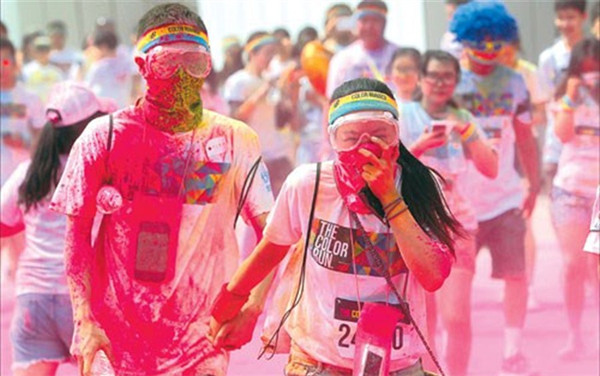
552, 68
324, 323
449, 44
495, 101
449, 160
40, 78
530, 74
20, 111
111, 77
66, 60
41, 264
355, 61
276, 143
579, 164
160, 327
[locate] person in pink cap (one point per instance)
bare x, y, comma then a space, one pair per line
42, 326
170, 185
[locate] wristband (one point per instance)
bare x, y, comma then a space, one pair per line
227, 304
391, 216
466, 133
389, 207
566, 104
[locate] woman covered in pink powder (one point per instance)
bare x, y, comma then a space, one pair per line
577, 126
42, 326
377, 234
169, 178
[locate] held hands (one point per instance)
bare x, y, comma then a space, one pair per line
233, 320
379, 173
93, 339
235, 333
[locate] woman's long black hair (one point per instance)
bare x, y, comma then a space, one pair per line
45, 169
420, 190
587, 48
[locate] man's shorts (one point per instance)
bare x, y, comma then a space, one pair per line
505, 237
41, 329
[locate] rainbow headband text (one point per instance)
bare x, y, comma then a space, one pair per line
172, 33
259, 42
362, 101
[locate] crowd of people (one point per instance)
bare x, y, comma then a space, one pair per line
368, 177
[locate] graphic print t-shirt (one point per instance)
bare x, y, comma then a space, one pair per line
496, 101
579, 164
160, 327
338, 274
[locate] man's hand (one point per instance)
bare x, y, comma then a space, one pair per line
529, 203
234, 333
92, 339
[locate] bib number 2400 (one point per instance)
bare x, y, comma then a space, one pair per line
347, 336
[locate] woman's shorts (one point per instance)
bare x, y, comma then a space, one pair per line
41, 329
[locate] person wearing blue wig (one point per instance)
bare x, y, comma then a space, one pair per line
498, 98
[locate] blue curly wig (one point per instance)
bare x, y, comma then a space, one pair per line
478, 20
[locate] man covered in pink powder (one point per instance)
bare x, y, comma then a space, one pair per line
168, 178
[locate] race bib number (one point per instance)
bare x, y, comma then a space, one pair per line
346, 317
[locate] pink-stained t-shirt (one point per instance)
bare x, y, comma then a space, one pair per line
339, 277
159, 327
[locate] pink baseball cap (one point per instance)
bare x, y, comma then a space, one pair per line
70, 102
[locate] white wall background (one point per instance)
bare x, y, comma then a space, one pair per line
242, 17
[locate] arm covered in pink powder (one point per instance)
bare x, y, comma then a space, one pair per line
79, 259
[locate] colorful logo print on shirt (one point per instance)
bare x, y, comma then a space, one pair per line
201, 179
492, 104
333, 246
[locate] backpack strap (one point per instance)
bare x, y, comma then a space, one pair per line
302, 278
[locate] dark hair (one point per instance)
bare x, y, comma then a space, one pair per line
578, 5
584, 49
105, 38
595, 12
373, 3
3, 28
307, 34
44, 171
168, 13
7, 44
442, 56
457, 3
420, 190
56, 27
412, 53
338, 9
281, 33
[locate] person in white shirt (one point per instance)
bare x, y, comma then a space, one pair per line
577, 126
253, 98
498, 99
43, 322
40, 75
21, 117
377, 236
65, 58
370, 54
111, 74
552, 67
